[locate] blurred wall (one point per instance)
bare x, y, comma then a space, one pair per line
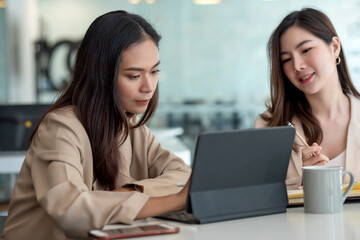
22, 31
3, 58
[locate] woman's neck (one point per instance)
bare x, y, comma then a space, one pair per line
329, 103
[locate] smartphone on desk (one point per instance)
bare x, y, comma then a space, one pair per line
137, 231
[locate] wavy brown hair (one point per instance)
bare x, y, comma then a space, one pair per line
286, 100
93, 88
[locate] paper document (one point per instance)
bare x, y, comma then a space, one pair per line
296, 197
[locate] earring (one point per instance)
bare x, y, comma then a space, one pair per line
338, 60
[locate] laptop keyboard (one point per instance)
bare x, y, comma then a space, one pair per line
181, 216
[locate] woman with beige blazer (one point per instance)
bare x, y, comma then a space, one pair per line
311, 87
92, 161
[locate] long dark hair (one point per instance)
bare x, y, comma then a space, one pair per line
286, 100
93, 89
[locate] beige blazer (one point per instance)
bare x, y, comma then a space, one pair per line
352, 161
55, 197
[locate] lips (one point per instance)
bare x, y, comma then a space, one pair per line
306, 78
143, 101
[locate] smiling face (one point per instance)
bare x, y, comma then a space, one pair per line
138, 76
308, 61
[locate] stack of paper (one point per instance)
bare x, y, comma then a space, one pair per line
354, 193
296, 197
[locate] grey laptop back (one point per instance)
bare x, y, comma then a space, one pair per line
240, 173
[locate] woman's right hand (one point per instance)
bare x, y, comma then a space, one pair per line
311, 156
160, 205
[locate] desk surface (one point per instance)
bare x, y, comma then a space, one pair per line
294, 224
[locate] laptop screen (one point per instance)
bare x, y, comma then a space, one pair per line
241, 158
240, 172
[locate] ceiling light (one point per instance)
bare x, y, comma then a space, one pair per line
134, 1
2, 3
207, 2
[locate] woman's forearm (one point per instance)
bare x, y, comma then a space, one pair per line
160, 205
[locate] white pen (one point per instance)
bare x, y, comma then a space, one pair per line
298, 135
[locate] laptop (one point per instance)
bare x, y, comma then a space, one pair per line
238, 174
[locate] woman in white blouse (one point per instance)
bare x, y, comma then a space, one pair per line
311, 87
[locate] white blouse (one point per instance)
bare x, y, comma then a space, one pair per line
339, 160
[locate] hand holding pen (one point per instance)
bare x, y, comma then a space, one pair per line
311, 155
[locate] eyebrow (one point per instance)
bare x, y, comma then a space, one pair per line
140, 69
297, 46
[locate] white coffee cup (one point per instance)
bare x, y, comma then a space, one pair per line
323, 188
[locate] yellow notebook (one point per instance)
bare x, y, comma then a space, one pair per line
296, 197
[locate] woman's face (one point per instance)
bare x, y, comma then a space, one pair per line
138, 75
307, 61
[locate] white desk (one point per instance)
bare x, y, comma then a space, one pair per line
11, 162
294, 224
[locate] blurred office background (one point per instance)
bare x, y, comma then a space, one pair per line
213, 53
